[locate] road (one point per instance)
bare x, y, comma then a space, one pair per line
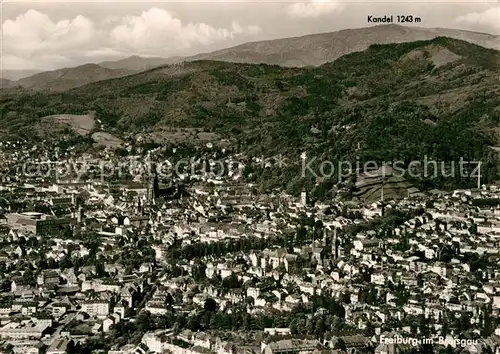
57, 333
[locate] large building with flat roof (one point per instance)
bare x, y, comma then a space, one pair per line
15, 330
37, 223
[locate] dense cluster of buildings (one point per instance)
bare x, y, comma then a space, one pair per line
88, 262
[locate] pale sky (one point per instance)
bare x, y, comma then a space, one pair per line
50, 35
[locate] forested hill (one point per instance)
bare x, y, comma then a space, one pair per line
438, 98
320, 48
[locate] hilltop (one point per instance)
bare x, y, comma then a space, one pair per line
137, 63
309, 50
438, 98
66, 79
4, 83
318, 49
14, 75
313, 49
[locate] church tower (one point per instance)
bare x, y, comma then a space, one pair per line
152, 188
79, 215
335, 244
140, 209
303, 198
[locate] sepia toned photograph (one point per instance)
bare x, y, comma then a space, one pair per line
249, 177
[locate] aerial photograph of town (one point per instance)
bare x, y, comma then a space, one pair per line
249, 177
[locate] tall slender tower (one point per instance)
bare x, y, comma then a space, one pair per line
479, 176
335, 244
79, 215
139, 206
148, 192
151, 191
303, 198
382, 192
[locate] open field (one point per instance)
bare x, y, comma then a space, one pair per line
80, 124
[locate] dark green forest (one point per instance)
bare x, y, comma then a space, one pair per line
390, 102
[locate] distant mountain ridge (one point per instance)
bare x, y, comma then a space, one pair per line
4, 83
308, 50
138, 63
14, 75
69, 78
318, 49
313, 49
